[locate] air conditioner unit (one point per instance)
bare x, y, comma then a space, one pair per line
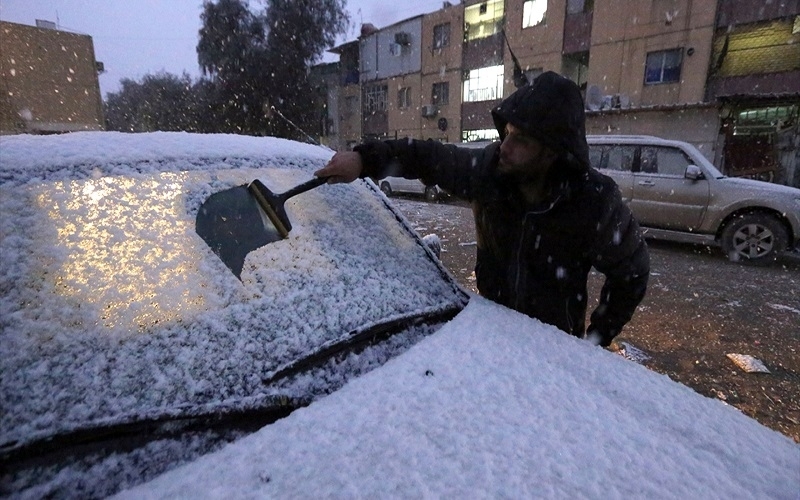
428, 110
402, 38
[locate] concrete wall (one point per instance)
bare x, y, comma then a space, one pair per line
441, 65
537, 46
381, 58
405, 122
620, 44
49, 81
696, 124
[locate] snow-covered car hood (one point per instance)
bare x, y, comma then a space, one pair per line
114, 310
498, 405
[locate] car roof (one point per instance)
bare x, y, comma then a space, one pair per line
115, 310
629, 138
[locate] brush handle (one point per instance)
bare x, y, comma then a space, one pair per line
302, 188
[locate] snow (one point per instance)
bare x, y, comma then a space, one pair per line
496, 405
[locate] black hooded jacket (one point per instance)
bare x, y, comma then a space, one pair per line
536, 258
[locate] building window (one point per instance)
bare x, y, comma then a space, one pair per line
441, 35
484, 84
663, 160
440, 94
404, 98
663, 66
350, 106
579, 6
375, 98
489, 134
533, 12
483, 20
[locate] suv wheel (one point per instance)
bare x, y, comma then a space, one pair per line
431, 193
753, 239
386, 188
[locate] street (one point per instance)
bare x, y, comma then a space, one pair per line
699, 308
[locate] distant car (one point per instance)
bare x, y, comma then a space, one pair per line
392, 185
128, 347
677, 194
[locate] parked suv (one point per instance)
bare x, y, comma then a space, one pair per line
677, 194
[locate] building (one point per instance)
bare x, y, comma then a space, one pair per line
48, 80
721, 74
755, 75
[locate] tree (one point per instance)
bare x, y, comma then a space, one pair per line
258, 60
159, 102
232, 52
299, 32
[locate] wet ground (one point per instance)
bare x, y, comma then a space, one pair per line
699, 309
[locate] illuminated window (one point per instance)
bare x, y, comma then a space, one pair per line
663, 66
441, 35
488, 134
533, 12
440, 94
483, 20
484, 84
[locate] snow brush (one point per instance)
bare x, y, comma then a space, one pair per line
236, 221
232, 221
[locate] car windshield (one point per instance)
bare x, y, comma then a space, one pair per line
115, 310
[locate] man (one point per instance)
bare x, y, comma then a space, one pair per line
543, 217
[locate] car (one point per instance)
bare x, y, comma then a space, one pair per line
128, 346
341, 361
392, 185
676, 194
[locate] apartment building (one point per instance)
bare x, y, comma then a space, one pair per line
439, 96
48, 80
754, 74
721, 74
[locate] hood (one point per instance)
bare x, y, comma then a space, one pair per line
762, 186
551, 110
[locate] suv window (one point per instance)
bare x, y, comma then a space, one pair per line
663, 160
612, 157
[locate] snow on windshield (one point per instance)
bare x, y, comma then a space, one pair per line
113, 308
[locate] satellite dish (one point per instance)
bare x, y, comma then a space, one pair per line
442, 124
594, 98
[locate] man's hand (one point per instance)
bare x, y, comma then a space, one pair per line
345, 166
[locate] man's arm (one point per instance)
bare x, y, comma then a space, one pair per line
621, 255
456, 170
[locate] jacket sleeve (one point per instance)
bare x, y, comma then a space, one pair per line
456, 170
621, 255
